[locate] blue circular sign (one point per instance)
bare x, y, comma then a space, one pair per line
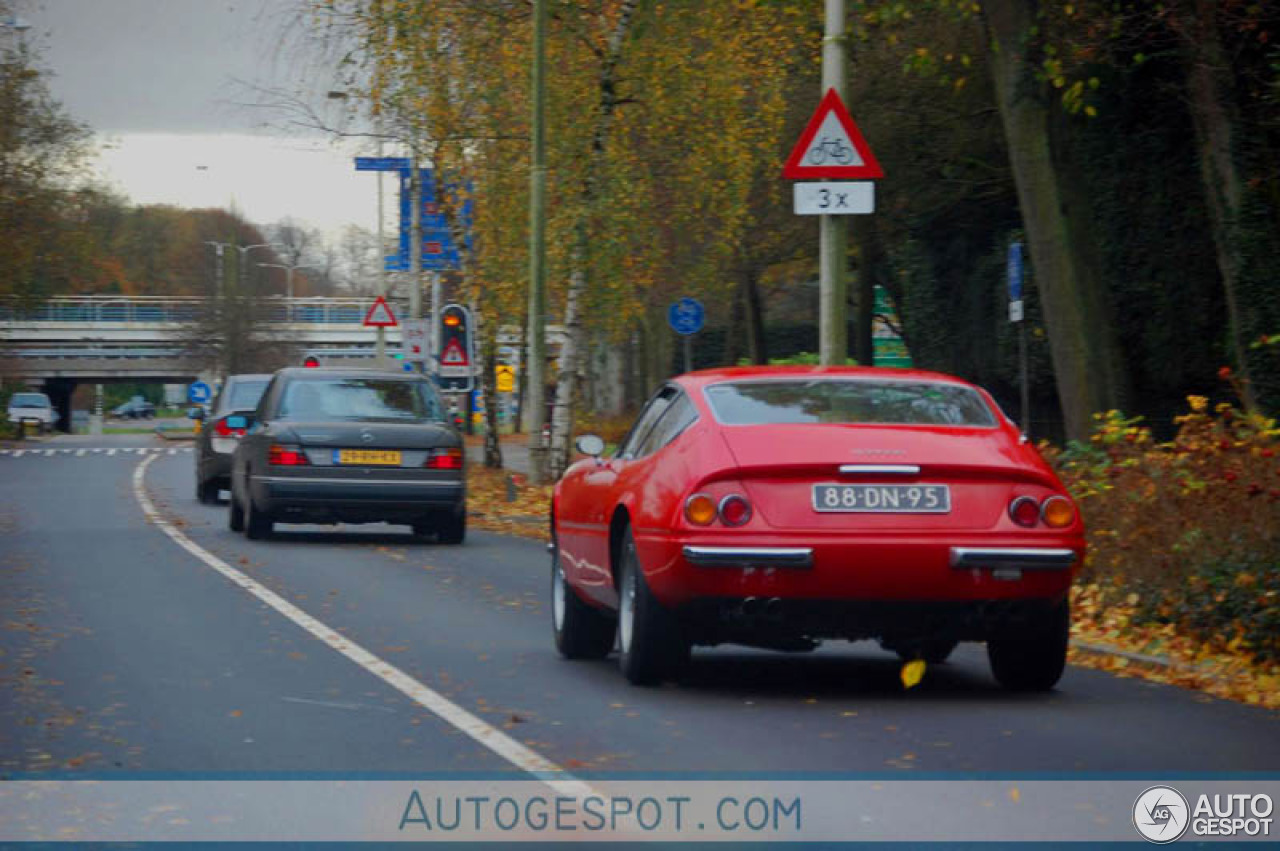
686, 316
199, 392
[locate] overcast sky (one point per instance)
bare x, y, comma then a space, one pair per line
160, 82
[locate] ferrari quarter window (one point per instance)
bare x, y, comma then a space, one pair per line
849, 401
679, 415
655, 409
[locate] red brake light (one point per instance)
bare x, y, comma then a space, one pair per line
1024, 511
444, 459
221, 429
734, 510
286, 456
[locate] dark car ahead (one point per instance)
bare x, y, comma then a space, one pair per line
217, 440
134, 409
349, 446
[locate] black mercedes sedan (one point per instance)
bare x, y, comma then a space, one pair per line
349, 446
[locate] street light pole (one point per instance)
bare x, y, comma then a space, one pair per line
535, 407
288, 282
833, 330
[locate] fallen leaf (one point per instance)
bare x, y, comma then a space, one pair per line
912, 673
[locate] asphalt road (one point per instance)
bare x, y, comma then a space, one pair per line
121, 650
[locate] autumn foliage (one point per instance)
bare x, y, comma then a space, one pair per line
1184, 534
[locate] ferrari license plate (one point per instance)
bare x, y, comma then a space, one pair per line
376, 457
883, 499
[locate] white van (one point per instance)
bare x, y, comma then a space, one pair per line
32, 406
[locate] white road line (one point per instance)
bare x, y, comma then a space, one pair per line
446, 710
49, 453
80, 453
111, 452
4, 451
173, 452
18, 453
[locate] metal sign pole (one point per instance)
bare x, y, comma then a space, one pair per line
833, 346
688, 353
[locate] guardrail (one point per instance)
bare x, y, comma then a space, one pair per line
181, 309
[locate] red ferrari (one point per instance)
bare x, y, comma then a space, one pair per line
778, 507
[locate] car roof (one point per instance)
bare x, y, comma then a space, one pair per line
704, 377
249, 376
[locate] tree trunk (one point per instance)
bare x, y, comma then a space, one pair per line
870, 257
1213, 116
756, 347
570, 350
489, 347
1081, 341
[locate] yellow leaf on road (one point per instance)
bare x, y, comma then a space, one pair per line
912, 673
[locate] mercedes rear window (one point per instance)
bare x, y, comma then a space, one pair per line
360, 399
848, 401
29, 400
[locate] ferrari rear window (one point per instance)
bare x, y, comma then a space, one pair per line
831, 400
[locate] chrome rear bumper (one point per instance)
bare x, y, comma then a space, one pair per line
1012, 558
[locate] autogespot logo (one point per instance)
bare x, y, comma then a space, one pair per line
1161, 814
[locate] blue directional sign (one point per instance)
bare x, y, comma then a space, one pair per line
686, 316
439, 250
382, 163
199, 392
1015, 271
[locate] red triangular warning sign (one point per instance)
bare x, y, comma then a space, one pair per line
831, 146
454, 355
380, 315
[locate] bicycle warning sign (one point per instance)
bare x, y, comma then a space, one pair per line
831, 146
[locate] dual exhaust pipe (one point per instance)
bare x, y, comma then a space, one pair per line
760, 607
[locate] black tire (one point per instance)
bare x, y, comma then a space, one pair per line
934, 652
207, 491
651, 645
581, 631
1033, 662
452, 528
258, 524
235, 515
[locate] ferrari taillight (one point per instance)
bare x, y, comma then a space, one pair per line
1024, 511
734, 510
286, 456
1058, 512
700, 509
444, 459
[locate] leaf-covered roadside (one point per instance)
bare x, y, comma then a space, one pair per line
1184, 548
491, 507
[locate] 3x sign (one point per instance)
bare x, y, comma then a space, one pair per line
828, 198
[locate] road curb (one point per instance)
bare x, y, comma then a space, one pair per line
1141, 658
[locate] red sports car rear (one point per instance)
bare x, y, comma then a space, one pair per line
780, 507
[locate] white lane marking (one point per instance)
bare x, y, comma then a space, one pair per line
18, 453
173, 452
4, 451
111, 452
500, 743
49, 453
80, 453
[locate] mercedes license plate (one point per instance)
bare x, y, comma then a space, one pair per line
378, 457
883, 499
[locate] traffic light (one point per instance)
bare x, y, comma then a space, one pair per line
311, 362
454, 351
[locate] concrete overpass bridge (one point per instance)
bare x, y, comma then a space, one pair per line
71, 340
67, 341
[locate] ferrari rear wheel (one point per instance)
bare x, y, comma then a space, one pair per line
581, 631
1033, 662
651, 646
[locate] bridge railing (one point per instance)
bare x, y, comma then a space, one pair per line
170, 309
